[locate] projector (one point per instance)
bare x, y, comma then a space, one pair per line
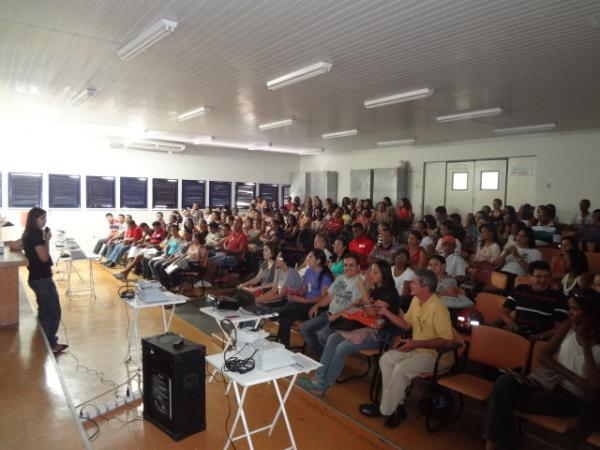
271, 355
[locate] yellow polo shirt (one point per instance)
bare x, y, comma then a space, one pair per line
429, 320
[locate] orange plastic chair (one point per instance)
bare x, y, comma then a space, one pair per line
593, 260
498, 280
522, 279
594, 439
492, 347
490, 306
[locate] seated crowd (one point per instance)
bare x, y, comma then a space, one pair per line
362, 277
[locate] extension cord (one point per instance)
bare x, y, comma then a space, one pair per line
101, 410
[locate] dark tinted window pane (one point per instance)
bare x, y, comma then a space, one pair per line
269, 192
100, 192
243, 194
193, 191
64, 191
164, 193
220, 194
134, 192
24, 190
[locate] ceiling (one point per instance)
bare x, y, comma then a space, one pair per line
538, 60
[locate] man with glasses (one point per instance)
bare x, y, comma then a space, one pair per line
341, 294
429, 321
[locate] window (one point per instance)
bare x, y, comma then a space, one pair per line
244, 192
285, 193
193, 191
134, 192
0, 189
460, 181
100, 192
269, 192
219, 194
489, 180
164, 193
24, 190
65, 191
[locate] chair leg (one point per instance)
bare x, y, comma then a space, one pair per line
429, 421
375, 389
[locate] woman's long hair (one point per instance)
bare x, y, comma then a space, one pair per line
32, 216
589, 301
387, 279
322, 258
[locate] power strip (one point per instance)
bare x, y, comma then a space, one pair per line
93, 411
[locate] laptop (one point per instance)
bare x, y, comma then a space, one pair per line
247, 301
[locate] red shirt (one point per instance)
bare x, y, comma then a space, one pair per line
236, 241
362, 247
134, 234
333, 225
157, 237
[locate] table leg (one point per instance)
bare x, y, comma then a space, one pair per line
282, 411
168, 324
133, 337
240, 414
68, 265
92, 285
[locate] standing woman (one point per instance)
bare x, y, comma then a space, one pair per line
36, 245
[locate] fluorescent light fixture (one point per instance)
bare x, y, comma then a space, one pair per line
396, 142
192, 113
399, 98
277, 124
32, 175
339, 134
78, 99
150, 145
467, 115
146, 38
286, 149
527, 129
299, 75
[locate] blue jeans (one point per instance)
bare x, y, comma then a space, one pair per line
316, 331
225, 260
49, 312
337, 349
117, 252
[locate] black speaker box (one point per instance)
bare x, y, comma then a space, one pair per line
174, 370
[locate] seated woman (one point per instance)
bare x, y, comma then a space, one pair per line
515, 259
402, 274
291, 231
266, 273
569, 372
342, 344
315, 283
194, 260
557, 263
417, 256
447, 288
337, 259
488, 250
286, 280
575, 265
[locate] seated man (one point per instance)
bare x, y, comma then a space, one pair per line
133, 235
335, 224
118, 235
429, 321
113, 230
546, 232
341, 294
213, 237
361, 245
286, 280
386, 248
153, 241
234, 247
456, 266
535, 310
590, 235
583, 216
171, 247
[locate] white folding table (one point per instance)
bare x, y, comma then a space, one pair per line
90, 287
136, 305
241, 383
236, 317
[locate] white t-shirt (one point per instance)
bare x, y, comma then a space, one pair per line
511, 264
570, 355
426, 242
405, 276
487, 253
438, 246
456, 266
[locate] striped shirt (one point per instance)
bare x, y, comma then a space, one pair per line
537, 312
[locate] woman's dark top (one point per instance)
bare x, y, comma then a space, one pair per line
37, 268
390, 296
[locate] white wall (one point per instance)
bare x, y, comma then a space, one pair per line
95, 157
567, 164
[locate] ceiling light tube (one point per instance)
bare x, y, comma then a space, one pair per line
300, 75
83, 96
396, 142
527, 129
399, 98
467, 115
277, 124
146, 38
287, 149
339, 134
192, 113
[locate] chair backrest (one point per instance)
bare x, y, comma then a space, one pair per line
548, 253
523, 279
490, 306
498, 280
498, 348
535, 354
593, 260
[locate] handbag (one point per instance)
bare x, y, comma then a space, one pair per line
363, 318
343, 324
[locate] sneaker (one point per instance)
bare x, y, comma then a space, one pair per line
369, 409
201, 283
314, 387
59, 348
120, 276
